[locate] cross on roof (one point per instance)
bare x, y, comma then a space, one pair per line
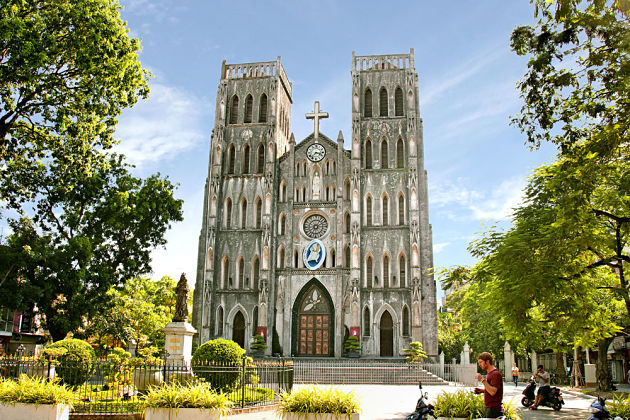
316, 115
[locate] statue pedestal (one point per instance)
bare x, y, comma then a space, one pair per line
178, 341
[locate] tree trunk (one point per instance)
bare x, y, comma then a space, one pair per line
604, 380
561, 372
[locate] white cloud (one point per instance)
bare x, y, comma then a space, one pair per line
437, 248
458, 202
168, 123
466, 70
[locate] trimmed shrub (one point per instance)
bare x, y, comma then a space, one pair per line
77, 364
218, 362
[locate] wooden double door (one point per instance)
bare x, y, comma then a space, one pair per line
315, 320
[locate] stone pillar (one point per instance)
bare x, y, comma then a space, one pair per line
466, 354
442, 364
534, 361
178, 341
508, 360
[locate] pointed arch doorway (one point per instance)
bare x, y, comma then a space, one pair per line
238, 331
313, 321
387, 335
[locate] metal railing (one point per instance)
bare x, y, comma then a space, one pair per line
104, 387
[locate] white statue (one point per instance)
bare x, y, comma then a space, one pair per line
317, 186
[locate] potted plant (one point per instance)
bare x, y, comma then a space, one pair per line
352, 346
459, 405
147, 369
258, 346
317, 404
193, 402
30, 398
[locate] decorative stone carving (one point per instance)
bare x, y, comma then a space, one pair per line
415, 232
355, 178
262, 296
266, 234
413, 177
415, 290
411, 124
215, 183
355, 233
247, 134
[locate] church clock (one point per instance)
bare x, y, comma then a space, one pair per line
315, 152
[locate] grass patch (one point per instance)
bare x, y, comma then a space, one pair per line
316, 400
253, 395
29, 390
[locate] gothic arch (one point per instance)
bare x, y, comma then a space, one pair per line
385, 206
398, 102
382, 102
367, 321
402, 269
401, 208
225, 272
229, 330
369, 271
220, 322
262, 109
260, 159
346, 222
280, 262
368, 153
346, 189
400, 153
283, 191
346, 256
282, 225
258, 213
395, 328
249, 105
240, 272
325, 295
369, 214
386, 270
209, 260
228, 212
234, 110
255, 273
231, 159
367, 103
244, 213
213, 206
406, 322
384, 153
245, 163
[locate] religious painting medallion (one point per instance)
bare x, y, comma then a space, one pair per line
315, 226
315, 152
314, 254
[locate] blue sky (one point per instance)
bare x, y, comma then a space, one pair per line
477, 164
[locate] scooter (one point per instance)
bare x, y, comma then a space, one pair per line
553, 400
598, 410
423, 410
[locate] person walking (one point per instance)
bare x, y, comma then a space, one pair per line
492, 386
542, 379
515, 374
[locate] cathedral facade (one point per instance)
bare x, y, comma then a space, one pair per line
306, 243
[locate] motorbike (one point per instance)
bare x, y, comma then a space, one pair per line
553, 399
423, 410
598, 410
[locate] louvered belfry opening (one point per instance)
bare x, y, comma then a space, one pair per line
400, 154
398, 102
383, 102
249, 104
262, 109
384, 155
234, 110
367, 104
261, 159
368, 154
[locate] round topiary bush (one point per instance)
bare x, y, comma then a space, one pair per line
77, 364
219, 362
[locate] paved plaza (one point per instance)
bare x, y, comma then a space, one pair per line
394, 402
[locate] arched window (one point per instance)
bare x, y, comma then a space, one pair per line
231, 157
333, 191
255, 321
385, 210
334, 167
246, 159
346, 252
244, 214
367, 105
261, 159
281, 257
402, 270
241, 272
226, 272
234, 110
249, 104
262, 109
346, 189
295, 259
401, 209
283, 191
333, 258
366, 322
398, 102
297, 168
258, 212
383, 102
228, 213
369, 267
384, 155
400, 154
220, 321
347, 223
368, 210
368, 154
386, 271
303, 192
327, 167
282, 225
256, 272
405, 321
327, 192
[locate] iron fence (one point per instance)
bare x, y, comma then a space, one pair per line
104, 387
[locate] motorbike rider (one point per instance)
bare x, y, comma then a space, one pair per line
542, 379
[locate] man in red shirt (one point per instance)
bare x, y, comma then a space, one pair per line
492, 386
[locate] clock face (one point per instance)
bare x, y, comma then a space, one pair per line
315, 226
315, 152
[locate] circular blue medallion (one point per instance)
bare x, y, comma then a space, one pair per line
314, 254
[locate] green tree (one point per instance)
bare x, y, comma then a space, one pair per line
136, 311
576, 86
66, 67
